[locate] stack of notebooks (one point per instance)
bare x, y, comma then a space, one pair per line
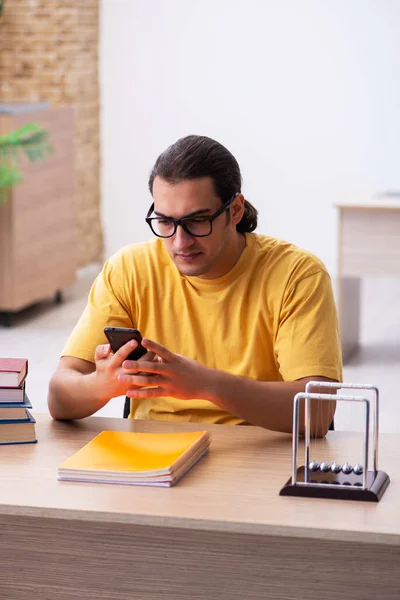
131, 458
17, 426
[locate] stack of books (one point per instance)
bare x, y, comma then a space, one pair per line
17, 426
134, 458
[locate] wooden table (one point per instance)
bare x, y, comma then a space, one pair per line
222, 532
368, 245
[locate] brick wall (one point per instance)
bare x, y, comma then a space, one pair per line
49, 52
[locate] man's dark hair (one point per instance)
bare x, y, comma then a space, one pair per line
197, 156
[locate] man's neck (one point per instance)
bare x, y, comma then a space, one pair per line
233, 253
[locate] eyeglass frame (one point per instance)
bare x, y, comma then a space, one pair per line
181, 222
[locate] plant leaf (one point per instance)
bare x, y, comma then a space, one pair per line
31, 139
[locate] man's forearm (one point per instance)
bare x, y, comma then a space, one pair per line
73, 395
268, 404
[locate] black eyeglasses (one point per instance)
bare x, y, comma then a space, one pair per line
201, 226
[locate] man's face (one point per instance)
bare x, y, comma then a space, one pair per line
195, 256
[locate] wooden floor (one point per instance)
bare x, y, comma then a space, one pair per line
40, 332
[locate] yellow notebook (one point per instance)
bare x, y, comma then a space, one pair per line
136, 458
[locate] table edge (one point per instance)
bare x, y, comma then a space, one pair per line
228, 527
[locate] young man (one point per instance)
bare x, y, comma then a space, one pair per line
234, 323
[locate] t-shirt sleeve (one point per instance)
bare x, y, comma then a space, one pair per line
106, 306
307, 341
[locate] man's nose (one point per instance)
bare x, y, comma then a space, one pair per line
182, 239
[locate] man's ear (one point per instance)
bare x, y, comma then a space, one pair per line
237, 209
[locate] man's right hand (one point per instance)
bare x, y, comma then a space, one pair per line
109, 366
79, 388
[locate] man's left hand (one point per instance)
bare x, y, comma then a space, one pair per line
168, 374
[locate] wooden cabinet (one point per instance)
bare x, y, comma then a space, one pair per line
38, 226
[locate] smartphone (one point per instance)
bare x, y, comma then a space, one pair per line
118, 336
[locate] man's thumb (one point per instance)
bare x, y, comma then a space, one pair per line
102, 351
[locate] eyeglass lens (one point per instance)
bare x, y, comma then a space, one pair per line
196, 227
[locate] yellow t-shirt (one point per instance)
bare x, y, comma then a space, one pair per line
272, 317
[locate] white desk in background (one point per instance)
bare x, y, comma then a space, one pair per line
368, 245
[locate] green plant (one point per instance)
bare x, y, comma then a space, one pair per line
32, 141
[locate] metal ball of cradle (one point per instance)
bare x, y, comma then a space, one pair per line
347, 469
336, 468
325, 466
358, 469
313, 465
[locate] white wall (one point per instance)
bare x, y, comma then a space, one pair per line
305, 93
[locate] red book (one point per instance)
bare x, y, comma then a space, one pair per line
13, 371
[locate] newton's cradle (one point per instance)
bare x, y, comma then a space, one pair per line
333, 480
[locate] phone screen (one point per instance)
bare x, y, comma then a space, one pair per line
118, 336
